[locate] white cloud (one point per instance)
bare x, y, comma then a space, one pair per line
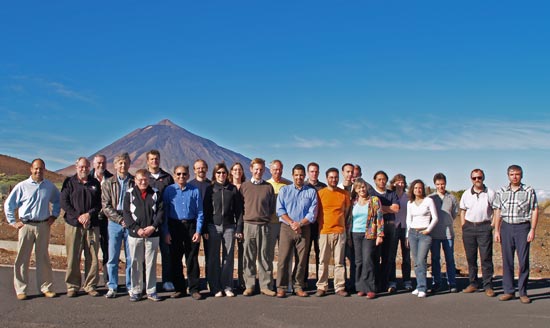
310, 143
58, 88
543, 195
482, 134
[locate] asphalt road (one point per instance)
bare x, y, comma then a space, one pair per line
400, 310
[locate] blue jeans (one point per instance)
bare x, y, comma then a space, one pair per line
220, 274
448, 250
420, 245
117, 235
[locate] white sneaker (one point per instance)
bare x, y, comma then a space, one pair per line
168, 286
421, 294
415, 292
111, 293
229, 293
219, 294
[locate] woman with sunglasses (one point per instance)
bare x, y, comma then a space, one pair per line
222, 209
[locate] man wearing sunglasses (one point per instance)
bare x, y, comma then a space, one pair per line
182, 226
476, 214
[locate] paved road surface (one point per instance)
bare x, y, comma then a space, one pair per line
401, 310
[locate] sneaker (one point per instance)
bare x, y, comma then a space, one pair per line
111, 293
135, 298
415, 292
219, 294
22, 296
229, 293
421, 294
154, 297
50, 294
371, 295
408, 286
453, 290
168, 286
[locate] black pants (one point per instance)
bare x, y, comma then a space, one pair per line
182, 233
364, 262
401, 242
479, 236
385, 260
104, 244
313, 241
514, 239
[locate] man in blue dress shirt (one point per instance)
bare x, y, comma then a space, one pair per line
296, 209
32, 197
182, 231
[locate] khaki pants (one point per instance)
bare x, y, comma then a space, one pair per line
289, 243
78, 239
144, 250
256, 246
333, 246
37, 235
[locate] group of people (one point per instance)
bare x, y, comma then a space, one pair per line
352, 219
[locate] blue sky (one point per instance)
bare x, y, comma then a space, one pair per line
414, 87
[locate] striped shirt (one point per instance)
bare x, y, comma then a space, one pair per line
516, 206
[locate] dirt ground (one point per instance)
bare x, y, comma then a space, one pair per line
540, 248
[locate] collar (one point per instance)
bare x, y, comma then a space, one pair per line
478, 193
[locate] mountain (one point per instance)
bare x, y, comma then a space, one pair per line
175, 144
11, 166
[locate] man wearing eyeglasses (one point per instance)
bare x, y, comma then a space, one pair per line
476, 214
181, 227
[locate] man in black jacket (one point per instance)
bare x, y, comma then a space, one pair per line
100, 173
159, 179
81, 201
143, 214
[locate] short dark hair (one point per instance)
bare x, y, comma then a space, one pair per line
379, 172
478, 170
313, 164
218, 166
186, 167
347, 164
440, 176
298, 167
38, 160
152, 152
332, 169
515, 167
